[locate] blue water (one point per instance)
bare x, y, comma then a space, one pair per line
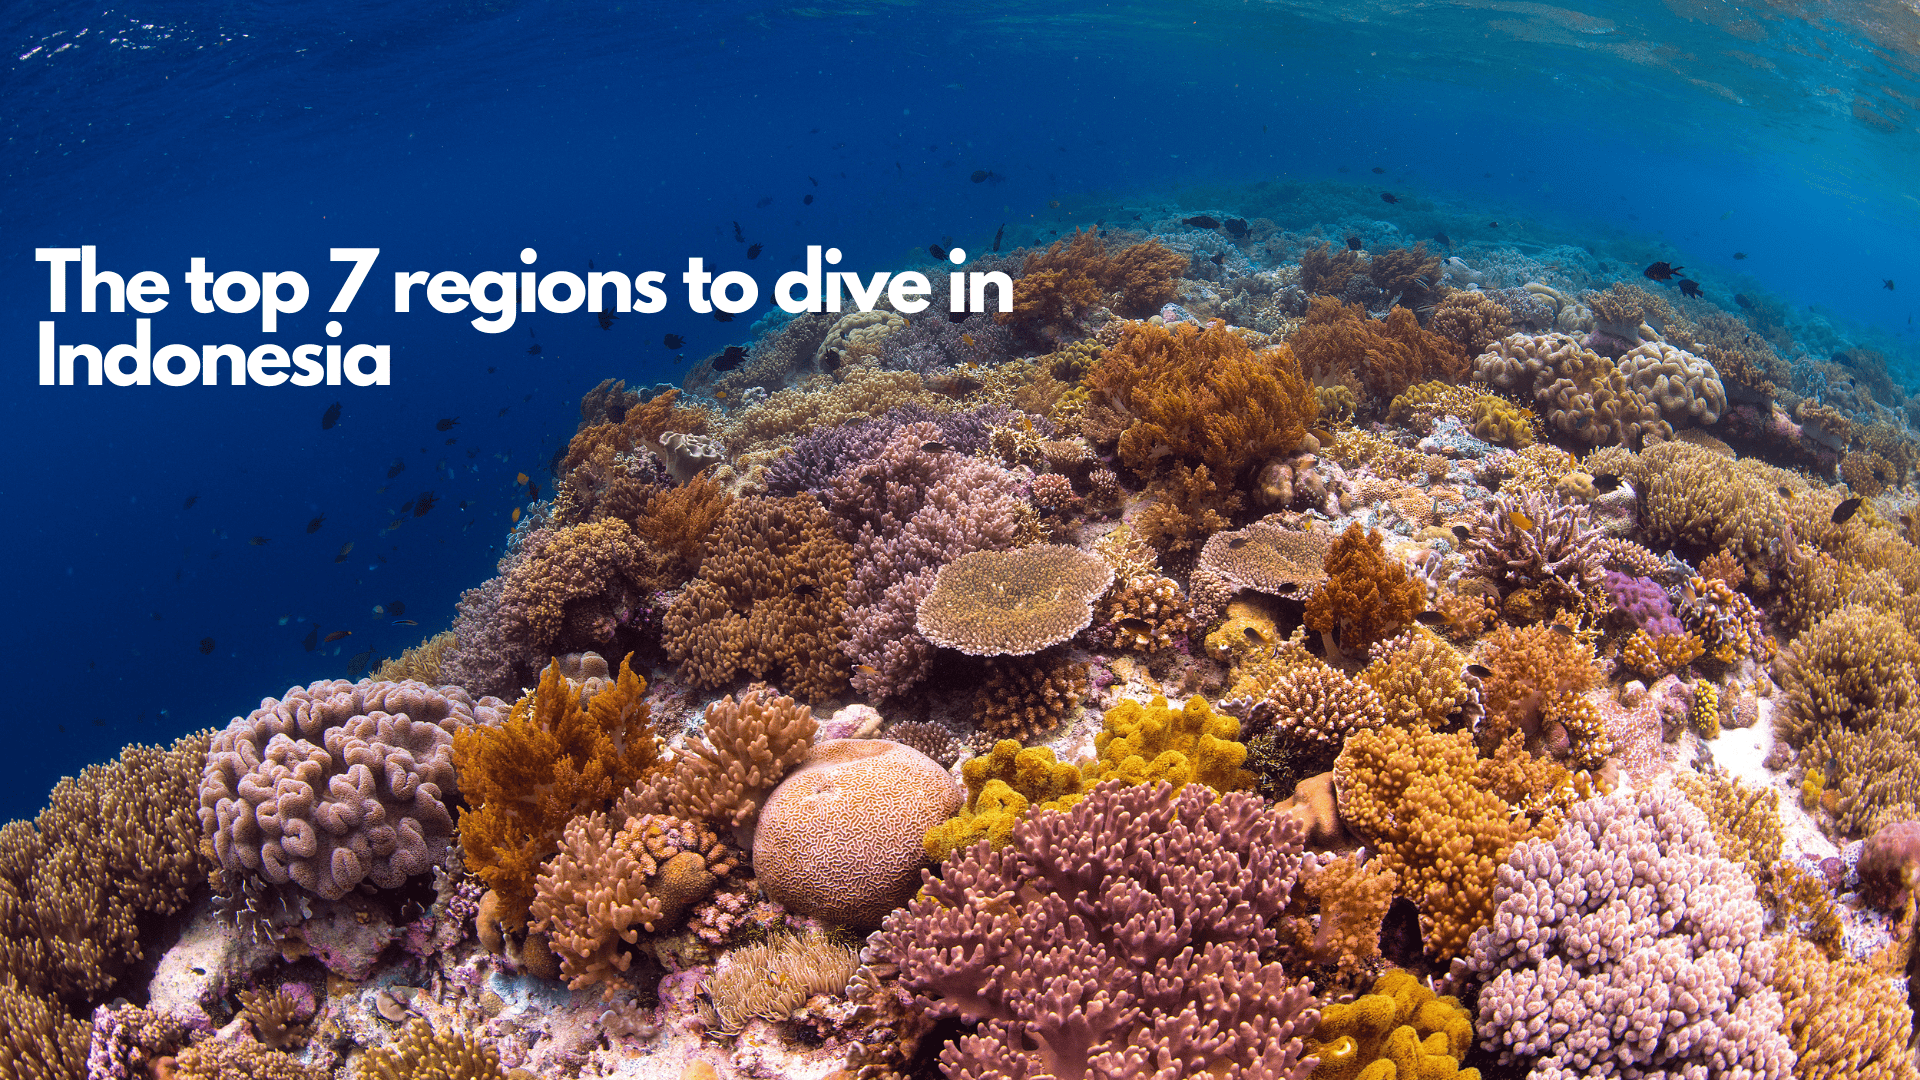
451, 136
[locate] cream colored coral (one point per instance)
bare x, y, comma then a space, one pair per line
1011, 603
854, 392
858, 337
1580, 392
1685, 386
771, 979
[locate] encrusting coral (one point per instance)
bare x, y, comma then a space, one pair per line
1170, 898
1366, 598
770, 600
1013, 603
550, 761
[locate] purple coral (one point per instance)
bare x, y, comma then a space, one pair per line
1626, 946
1122, 937
1643, 601
931, 343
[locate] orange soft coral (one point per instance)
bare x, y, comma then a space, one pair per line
1531, 667
552, 760
637, 426
1078, 274
1366, 598
677, 521
1337, 339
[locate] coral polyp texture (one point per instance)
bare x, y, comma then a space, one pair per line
338, 783
1012, 603
1170, 898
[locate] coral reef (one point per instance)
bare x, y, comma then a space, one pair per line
746, 749
421, 1053
1019, 699
1579, 392
1537, 541
1075, 275
770, 980
1685, 386
1366, 598
1013, 603
1340, 342
1001, 786
1402, 1024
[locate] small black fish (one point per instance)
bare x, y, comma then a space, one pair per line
1493, 224
765, 201
532, 350
405, 508
753, 251
1462, 531
1562, 629
810, 179
1661, 271
1218, 259
673, 341
446, 423
424, 503
1286, 587
1353, 243
729, 358
1429, 618
1739, 254
605, 319
1378, 170
952, 316
312, 640
533, 489
260, 541
1201, 222
997, 234
1479, 671
1846, 510
980, 176
738, 236
503, 412
721, 316
1388, 197
1785, 493
491, 370
191, 499
808, 201
1605, 482
1252, 634
357, 664
399, 466
206, 646
330, 417
1689, 287
1237, 543
1442, 239
934, 447
936, 251
396, 608
1236, 227
1887, 284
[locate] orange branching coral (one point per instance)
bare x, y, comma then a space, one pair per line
1388, 357
1409, 274
552, 760
1530, 665
1201, 397
1366, 598
1353, 898
1654, 656
1472, 320
677, 521
1189, 506
569, 591
1078, 274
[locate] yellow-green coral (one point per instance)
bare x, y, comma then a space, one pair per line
1000, 788
1498, 420
1705, 716
1401, 1030
1145, 744
1419, 679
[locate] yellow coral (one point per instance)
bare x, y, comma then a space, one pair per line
1498, 420
1400, 1030
1655, 656
1000, 788
1145, 744
1705, 715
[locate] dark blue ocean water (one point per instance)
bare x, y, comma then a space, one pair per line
451, 136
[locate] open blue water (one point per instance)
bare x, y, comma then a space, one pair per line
451, 136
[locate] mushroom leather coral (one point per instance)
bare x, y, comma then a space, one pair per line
551, 761
1201, 397
1366, 598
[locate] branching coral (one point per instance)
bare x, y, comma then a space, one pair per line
746, 749
1141, 613
1059, 285
1019, 699
1013, 603
1727, 623
769, 601
1472, 319
1697, 501
1325, 270
1626, 943
552, 760
1578, 391
1421, 682
337, 783
1387, 357
1537, 541
1313, 707
1529, 666
676, 522
1169, 899
1366, 598
1844, 1020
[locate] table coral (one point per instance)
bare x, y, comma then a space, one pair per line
769, 601
1268, 558
337, 783
1417, 1034
1013, 603
1627, 943
842, 838
1365, 598
1168, 899
551, 760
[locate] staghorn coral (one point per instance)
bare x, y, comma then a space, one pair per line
1418, 797
1537, 541
1200, 398
1013, 603
1685, 387
610, 881
769, 601
1339, 341
1626, 945
746, 749
1210, 876
421, 1053
1019, 699
771, 980
1001, 786
1579, 392
1077, 274
1402, 1025
552, 759
842, 838
1366, 598
1844, 1020
338, 783
908, 511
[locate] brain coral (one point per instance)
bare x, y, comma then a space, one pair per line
1685, 386
842, 837
338, 783
1011, 603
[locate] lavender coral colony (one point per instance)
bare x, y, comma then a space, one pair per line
1357, 664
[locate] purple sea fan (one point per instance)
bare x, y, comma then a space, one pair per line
1643, 601
1536, 540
